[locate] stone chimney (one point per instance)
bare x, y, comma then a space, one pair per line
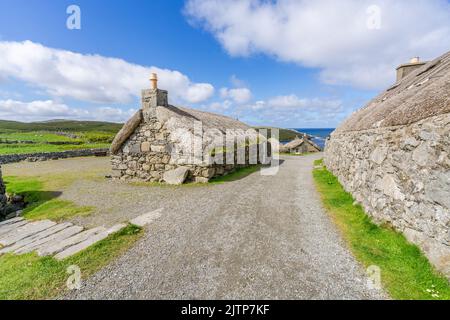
407, 68
154, 97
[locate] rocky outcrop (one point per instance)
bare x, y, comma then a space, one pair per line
393, 157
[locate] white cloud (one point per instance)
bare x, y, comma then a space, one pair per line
220, 106
291, 110
49, 109
294, 102
330, 35
92, 78
238, 95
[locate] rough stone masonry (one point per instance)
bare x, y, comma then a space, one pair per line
393, 156
3, 197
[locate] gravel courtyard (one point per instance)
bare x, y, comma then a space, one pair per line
261, 237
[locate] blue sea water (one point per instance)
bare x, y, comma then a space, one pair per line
318, 135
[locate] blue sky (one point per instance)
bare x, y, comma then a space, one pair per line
283, 63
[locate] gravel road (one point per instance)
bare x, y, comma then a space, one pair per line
262, 237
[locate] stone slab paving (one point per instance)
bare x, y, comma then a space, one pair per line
46, 237
54, 248
147, 218
25, 231
55, 238
7, 228
14, 220
88, 242
33, 239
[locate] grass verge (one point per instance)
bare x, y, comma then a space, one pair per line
405, 271
295, 154
236, 175
43, 204
32, 277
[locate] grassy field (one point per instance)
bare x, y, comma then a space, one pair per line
47, 136
405, 271
32, 277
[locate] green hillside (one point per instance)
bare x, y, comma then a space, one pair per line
59, 125
285, 134
55, 135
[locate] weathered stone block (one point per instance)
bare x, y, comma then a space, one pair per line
155, 148
176, 176
145, 146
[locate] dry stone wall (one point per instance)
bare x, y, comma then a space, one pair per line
43, 156
401, 176
3, 198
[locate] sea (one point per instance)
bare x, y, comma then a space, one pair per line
319, 136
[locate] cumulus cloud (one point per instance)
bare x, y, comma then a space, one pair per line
49, 109
314, 104
292, 110
238, 95
91, 78
353, 42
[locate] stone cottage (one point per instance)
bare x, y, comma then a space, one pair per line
393, 156
164, 143
300, 145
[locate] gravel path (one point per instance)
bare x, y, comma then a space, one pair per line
262, 237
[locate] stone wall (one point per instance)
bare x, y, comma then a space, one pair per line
2, 196
43, 156
401, 176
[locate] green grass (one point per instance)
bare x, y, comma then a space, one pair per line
295, 154
32, 277
236, 175
405, 271
43, 204
36, 137
47, 141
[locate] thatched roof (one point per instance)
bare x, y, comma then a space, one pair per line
293, 144
297, 142
209, 120
423, 93
126, 131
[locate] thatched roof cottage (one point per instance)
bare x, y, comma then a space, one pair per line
393, 155
300, 145
170, 144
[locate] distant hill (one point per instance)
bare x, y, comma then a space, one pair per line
59, 125
285, 134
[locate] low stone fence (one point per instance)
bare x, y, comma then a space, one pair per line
43, 156
401, 176
2, 196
